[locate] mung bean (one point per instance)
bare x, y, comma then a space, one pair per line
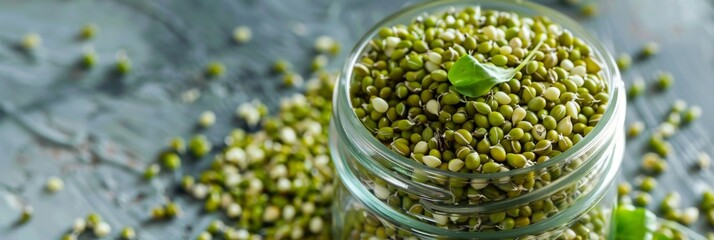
215, 69
31, 41
624, 61
242, 34
54, 184
88, 31
650, 49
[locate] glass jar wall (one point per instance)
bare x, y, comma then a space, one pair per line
386, 195
357, 214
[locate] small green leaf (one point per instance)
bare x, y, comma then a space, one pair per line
473, 79
634, 224
660, 236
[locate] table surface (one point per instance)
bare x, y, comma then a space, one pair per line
98, 131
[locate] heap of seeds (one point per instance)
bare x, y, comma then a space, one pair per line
276, 182
402, 95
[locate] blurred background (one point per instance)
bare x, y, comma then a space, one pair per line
98, 130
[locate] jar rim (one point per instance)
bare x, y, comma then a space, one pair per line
348, 121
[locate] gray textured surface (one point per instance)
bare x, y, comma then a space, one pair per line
98, 132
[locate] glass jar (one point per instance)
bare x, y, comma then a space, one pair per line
385, 195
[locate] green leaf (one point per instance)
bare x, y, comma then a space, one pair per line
634, 224
660, 236
473, 79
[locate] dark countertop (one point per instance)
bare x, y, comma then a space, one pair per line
98, 131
